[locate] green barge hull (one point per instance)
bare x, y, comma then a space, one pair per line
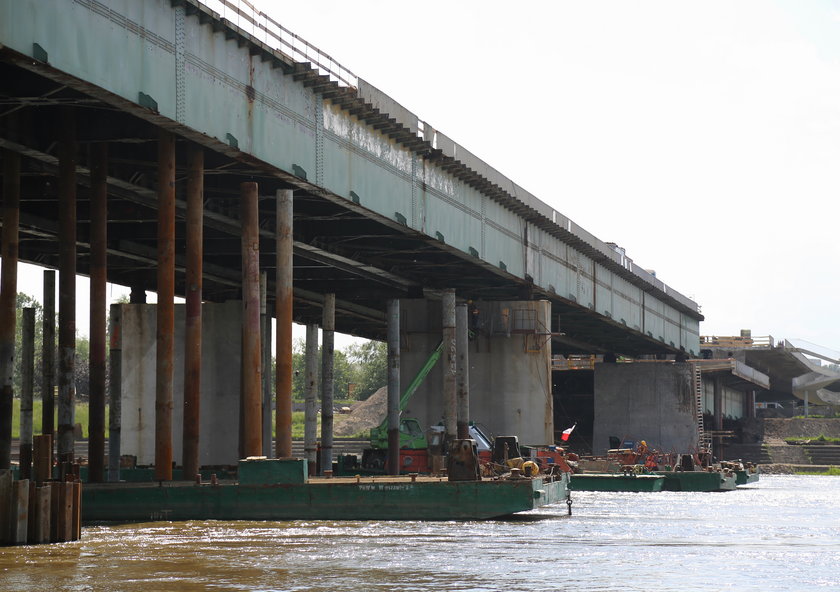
697, 481
616, 482
259, 495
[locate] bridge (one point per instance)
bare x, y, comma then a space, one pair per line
137, 100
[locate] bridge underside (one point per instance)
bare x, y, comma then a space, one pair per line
339, 246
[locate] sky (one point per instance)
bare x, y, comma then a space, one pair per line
703, 137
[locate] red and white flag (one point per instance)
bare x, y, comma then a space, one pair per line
567, 432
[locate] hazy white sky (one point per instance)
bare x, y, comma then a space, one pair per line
703, 137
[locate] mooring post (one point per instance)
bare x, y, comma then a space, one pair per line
265, 349
165, 306
192, 322
283, 314
48, 355
462, 345
327, 381
251, 355
450, 366
115, 393
66, 287
393, 310
27, 384
8, 298
98, 310
310, 426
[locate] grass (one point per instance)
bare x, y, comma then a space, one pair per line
820, 438
831, 472
82, 416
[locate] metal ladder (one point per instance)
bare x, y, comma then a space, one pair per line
704, 439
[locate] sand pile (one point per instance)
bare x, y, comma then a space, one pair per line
364, 415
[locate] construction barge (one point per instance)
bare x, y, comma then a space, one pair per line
279, 489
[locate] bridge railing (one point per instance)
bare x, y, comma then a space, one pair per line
262, 27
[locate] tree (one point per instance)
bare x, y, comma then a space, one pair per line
370, 360
344, 371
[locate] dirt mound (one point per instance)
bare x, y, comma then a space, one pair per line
364, 414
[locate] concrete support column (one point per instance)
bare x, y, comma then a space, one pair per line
450, 366
27, 385
310, 427
283, 314
98, 280
265, 348
8, 298
66, 287
115, 394
394, 393
192, 321
251, 355
462, 346
327, 381
48, 355
165, 307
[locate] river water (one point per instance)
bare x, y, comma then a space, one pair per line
780, 534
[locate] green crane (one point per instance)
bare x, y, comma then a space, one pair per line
411, 434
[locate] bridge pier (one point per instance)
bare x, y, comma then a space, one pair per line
8, 297
251, 436
509, 367
327, 381
283, 314
192, 322
165, 307
66, 286
98, 299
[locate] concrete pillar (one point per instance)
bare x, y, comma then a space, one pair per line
165, 306
251, 355
192, 321
283, 314
265, 348
48, 355
98, 280
66, 287
8, 298
394, 391
27, 371
327, 381
310, 427
138, 294
115, 394
450, 366
718, 400
463, 387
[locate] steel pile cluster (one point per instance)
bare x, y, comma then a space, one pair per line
41, 510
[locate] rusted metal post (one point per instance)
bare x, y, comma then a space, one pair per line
283, 314
98, 303
27, 384
393, 467
165, 306
48, 355
462, 345
265, 348
310, 426
192, 323
450, 365
327, 381
251, 355
66, 287
8, 298
115, 393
